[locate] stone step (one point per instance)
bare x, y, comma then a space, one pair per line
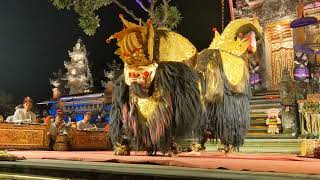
288, 146
258, 122
261, 142
266, 93
269, 136
254, 114
261, 111
265, 106
265, 97
258, 115
264, 101
258, 129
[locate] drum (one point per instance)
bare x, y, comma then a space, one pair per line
61, 143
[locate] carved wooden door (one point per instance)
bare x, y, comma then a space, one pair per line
281, 59
280, 38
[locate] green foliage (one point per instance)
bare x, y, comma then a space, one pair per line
89, 24
4, 156
163, 15
310, 135
88, 20
172, 20
174, 17
62, 4
312, 107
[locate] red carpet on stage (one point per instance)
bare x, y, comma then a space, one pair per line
207, 160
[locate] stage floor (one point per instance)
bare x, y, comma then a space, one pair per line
44, 169
278, 163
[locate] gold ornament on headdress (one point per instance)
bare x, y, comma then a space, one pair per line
232, 47
175, 47
229, 41
136, 45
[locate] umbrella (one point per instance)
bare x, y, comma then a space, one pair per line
301, 72
308, 48
255, 78
304, 21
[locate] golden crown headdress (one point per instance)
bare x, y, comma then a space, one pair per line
135, 43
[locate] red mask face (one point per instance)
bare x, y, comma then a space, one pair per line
139, 77
142, 75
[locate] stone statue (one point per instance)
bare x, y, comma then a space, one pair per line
288, 102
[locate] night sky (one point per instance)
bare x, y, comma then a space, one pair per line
36, 37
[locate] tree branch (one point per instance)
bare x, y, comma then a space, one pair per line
151, 10
142, 6
165, 12
127, 11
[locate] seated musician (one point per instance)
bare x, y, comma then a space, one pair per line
48, 120
56, 128
85, 125
24, 114
10, 118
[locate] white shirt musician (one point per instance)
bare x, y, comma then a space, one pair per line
25, 114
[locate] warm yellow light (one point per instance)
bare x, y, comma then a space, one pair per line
279, 27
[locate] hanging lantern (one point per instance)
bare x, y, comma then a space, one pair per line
255, 78
301, 72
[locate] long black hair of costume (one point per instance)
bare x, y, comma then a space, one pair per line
229, 117
120, 98
182, 83
175, 81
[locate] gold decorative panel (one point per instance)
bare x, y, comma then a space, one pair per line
86, 140
280, 38
312, 9
23, 136
35, 137
281, 59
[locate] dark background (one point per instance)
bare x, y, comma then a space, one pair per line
36, 37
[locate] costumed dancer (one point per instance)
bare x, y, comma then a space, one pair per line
157, 98
226, 88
